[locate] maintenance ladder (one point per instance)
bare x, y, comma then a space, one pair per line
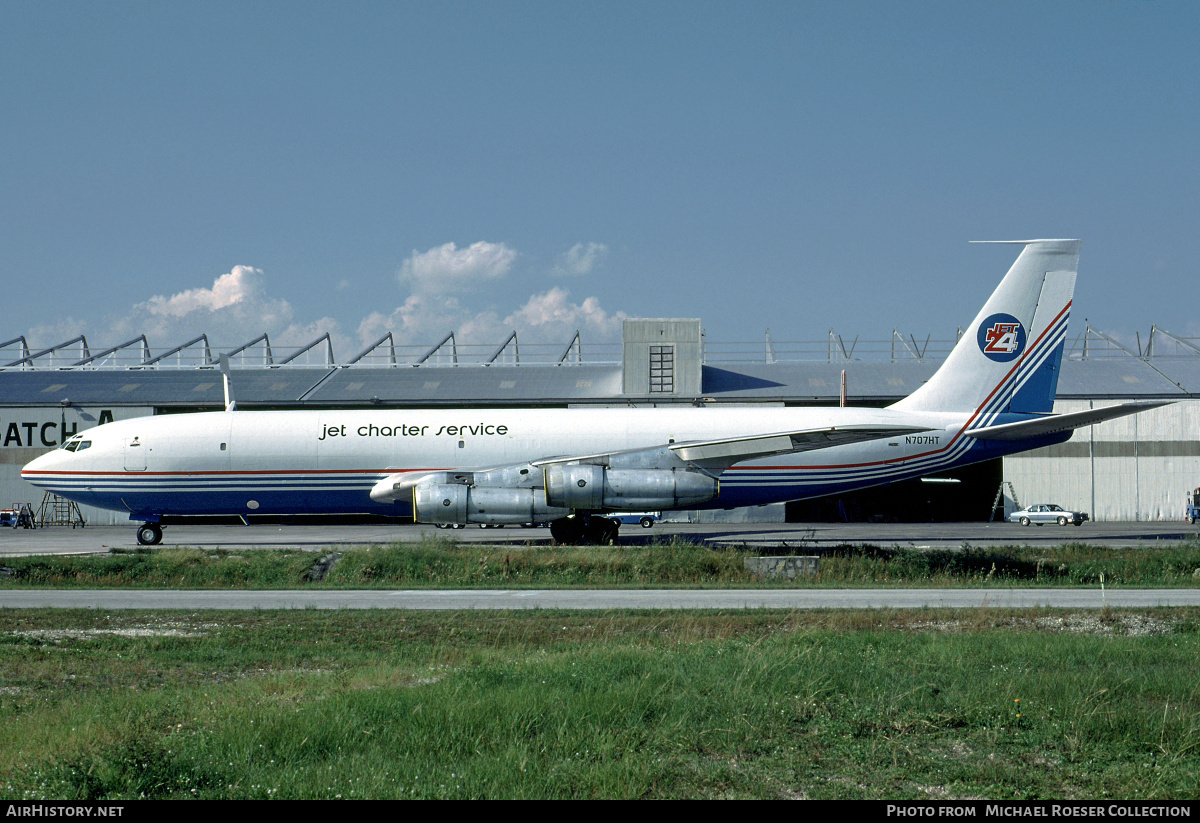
998, 503
58, 511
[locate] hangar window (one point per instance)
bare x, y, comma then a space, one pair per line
662, 369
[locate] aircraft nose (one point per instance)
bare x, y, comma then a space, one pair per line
31, 470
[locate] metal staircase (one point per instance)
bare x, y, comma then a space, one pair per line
58, 511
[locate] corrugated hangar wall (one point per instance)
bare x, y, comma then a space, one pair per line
1137, 468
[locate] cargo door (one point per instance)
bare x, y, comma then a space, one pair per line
135, 455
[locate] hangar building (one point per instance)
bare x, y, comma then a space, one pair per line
1136, 468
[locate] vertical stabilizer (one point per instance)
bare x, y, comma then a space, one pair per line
1008, 360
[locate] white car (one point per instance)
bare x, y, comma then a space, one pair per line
1044, 513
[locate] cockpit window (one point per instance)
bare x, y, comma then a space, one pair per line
76, 442
86, 444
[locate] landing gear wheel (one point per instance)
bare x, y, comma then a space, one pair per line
150, 534
584, 530
599, 531
605, 530
567, 531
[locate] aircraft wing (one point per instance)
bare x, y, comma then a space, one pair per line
736, 449
694, 457
729, 450
1055, 423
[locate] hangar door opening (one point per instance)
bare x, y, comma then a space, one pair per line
964, 494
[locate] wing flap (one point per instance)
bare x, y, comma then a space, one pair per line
735, 449
722, 453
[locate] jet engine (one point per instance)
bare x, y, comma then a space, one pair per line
455, 503
510, 496
589, 487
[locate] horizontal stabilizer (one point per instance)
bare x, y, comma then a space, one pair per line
736, 449
1055, 423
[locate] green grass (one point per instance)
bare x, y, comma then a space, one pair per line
880, 704
907, 705
436, 563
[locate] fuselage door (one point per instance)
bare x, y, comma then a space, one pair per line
135, 455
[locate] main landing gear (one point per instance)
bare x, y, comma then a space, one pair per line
149, 534
584, 530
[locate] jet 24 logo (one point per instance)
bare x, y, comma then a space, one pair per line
1001, 338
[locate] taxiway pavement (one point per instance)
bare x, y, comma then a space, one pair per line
798, 538
601, 599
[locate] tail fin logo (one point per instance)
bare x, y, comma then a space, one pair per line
1001, 338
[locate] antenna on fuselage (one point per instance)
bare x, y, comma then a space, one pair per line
227, 383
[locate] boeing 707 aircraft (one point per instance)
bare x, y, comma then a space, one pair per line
992, 397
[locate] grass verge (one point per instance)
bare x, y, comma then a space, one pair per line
880, 704
438, 562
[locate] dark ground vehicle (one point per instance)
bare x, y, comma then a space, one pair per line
643, 519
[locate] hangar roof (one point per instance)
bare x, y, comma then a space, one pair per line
1095, 366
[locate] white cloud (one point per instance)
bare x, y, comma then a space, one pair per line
544, 318
425, 319
51, 334
580, 259
241, 285
236, 304
441, 278
551, 312
238, 307
447, 268
235, 310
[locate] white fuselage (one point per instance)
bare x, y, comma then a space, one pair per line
247, 462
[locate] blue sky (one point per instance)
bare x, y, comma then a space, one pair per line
301, 167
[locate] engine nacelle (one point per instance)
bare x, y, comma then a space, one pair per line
598, 488
454, 503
